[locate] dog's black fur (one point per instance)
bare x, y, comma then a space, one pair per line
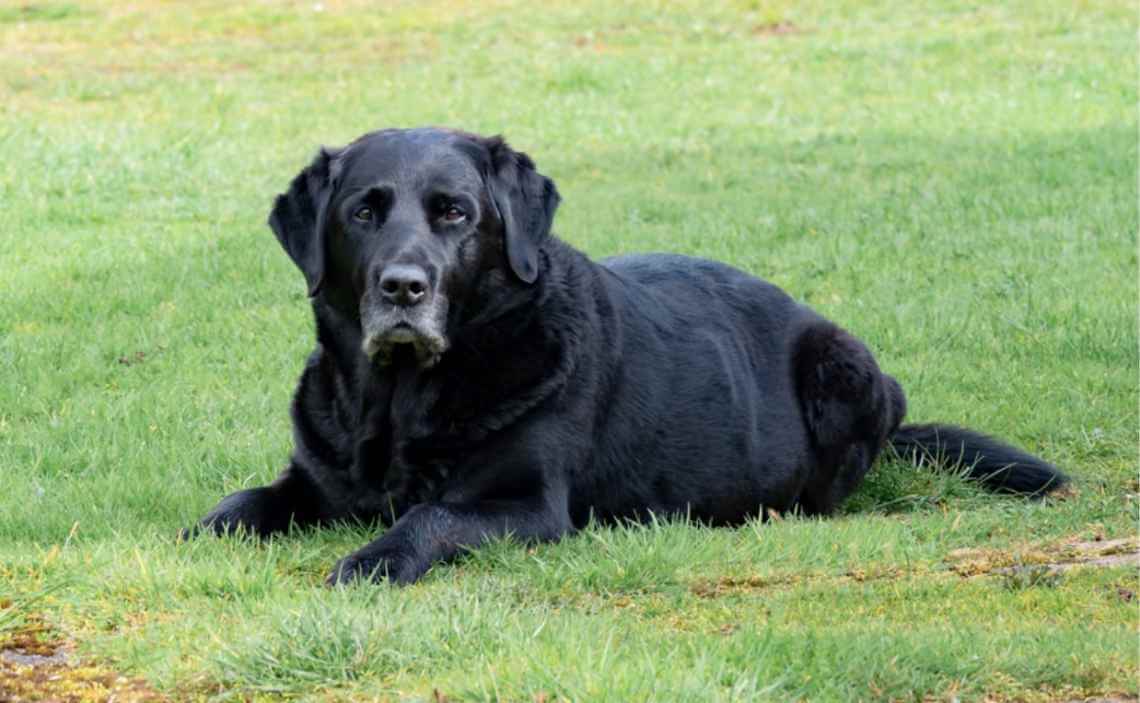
476, 377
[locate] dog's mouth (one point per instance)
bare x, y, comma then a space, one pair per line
395, 335
385, 343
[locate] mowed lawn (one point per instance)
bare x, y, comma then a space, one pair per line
954, 182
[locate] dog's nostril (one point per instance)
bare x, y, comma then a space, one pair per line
405, 285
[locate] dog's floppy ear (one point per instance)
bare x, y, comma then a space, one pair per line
298, 218
526, 201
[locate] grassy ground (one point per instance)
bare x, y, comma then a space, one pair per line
954, 182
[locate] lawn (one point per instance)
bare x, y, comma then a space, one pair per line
954, 182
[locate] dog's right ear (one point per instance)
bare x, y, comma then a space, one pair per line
298, 218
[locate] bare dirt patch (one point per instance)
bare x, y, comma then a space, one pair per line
38, 665
1035, 563
776, 29
1056, 558
725, 585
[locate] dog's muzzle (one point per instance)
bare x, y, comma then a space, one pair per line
381, 344
387, 327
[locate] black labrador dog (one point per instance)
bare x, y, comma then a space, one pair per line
475, 377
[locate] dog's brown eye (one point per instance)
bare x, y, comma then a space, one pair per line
453, 214
364, 214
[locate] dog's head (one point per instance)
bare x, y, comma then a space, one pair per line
398, 227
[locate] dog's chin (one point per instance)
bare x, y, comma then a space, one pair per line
390, 345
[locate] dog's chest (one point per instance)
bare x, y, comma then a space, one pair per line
408, 455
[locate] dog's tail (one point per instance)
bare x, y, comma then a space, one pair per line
996, 465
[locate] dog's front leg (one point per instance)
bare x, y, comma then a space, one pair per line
434, 532
292, 499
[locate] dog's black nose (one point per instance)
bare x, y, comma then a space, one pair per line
404, 284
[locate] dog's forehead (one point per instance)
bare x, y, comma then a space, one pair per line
410, 158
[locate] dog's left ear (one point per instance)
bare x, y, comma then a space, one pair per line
526, 201
298, 218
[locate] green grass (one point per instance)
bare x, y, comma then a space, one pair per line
954, 182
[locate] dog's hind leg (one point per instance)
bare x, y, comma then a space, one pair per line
850, 408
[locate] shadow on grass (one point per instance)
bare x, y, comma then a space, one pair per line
897, 486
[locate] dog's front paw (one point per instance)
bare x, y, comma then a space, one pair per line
376, 565
249, 512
